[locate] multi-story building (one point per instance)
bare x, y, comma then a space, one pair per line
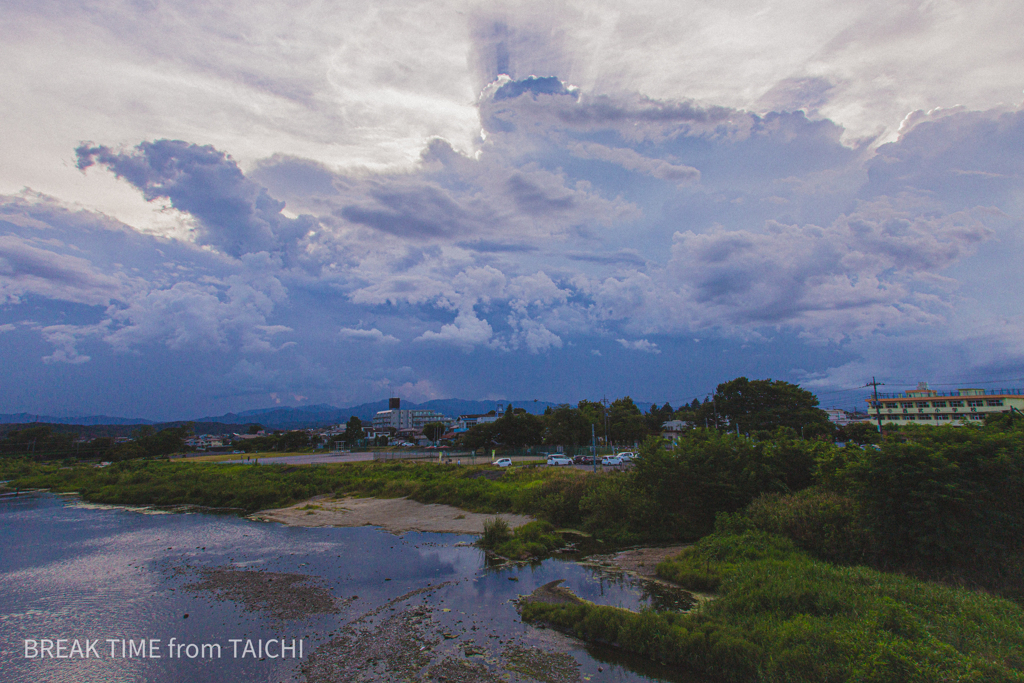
930, 407
841, 417
396, 418
464, 422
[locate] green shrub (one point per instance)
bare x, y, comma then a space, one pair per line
496, 532
822, 522
779, 615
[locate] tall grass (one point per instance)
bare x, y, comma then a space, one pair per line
779, 615
815, 621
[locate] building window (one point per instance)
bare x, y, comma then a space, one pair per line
942, 417
908, 417
977, 417
975, 404
956, 404
908, 404
922, 404
994, 402
938, 404
924, 417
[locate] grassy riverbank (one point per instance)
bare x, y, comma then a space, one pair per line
780, 615
797, 536
562, 497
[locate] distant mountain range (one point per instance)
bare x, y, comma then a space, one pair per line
299, 417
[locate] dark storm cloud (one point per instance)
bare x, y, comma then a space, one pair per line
419, 211
627, 256
487, 246
235, 214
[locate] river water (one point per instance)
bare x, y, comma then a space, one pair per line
105, 576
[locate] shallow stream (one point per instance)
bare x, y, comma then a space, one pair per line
360, 603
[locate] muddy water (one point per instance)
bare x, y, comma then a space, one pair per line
159, 597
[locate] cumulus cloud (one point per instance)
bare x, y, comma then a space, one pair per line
640, 345
466, 332
64, 339
868, 269
232, 314
371, 335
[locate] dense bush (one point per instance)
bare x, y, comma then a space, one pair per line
945, 495
823, 522
708, 472
780, 615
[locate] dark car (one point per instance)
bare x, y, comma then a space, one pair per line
583, 460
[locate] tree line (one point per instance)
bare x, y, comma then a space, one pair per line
750, 407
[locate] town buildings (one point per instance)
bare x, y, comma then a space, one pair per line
394, 418
841, 418
930, 407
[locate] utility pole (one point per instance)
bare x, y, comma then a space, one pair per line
604, 401
593, 443
878, 406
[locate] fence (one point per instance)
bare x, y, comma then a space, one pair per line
384, 456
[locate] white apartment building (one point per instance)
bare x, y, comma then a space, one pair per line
396, 418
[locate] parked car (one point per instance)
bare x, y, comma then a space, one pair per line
583, 460
627, 456
559, 460
611, 460
503, 462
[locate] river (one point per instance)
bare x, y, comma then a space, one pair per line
137, 587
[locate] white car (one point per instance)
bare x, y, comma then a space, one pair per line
611, 460
503, 462
559, 460
627, 456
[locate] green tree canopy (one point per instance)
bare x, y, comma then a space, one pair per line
353, 431
434, 430
626, 422
761, 405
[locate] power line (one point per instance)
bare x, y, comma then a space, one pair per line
961, 383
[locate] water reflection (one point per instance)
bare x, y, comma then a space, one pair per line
72, 570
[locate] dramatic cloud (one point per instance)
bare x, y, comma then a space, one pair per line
235, 214
549, 200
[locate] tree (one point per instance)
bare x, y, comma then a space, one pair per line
859, 432
434, 430
626, 422
255, 428
149, 442
656, 417
516, 428
706, 472
565, 425
353, 431
761, 405
293, 441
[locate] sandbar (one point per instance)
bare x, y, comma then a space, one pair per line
396, 515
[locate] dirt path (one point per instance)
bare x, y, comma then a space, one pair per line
393, 514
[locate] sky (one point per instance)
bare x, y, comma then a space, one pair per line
212, 207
